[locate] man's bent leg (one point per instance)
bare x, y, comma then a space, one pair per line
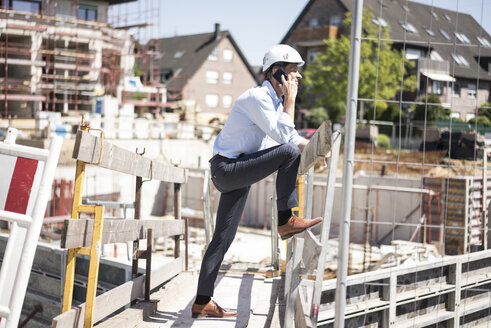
229, 213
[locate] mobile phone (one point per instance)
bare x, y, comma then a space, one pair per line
277, 75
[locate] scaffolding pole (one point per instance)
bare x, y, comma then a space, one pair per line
349, 154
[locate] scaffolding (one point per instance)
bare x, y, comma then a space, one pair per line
66, 58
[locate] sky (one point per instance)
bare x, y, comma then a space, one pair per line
255, 25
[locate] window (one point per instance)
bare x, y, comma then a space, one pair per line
212, 77
312, 56
445, 35
430, 32
448, 18
406, 8
87, 12
456, 90
227, 77
413, 53
227, 101
409, 28
379, 21
483, 41
438, 87
435, 56
455, 115
335, 21
314, 22
471, 90
179, 54
462, 37
211, 100
469, 116
434, 15
228, 55
213, 54
460, 60
33, 7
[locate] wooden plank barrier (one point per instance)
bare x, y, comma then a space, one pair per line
85, 236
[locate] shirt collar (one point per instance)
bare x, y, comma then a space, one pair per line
271, 92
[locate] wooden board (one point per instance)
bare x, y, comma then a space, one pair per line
318, 146
311, 251
118, 297
88, 149
78, 232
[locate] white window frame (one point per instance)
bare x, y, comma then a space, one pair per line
469, 116
409, 28
211, 100
455, 115
228, 55
445, 34
471, 92
212, 77
213, 56
438, 87
483, 41
460, 60
227, 101
227, 77
380, 21
462, 37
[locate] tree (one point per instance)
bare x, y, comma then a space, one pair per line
381, 69
481, 120
430, 109
316, 116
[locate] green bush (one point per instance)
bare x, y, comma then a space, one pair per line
481, 120
433, 108
383, 141
316, 116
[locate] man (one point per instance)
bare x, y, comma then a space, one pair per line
241, 159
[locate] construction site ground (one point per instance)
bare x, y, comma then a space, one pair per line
245, 284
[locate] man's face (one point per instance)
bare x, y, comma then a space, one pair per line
292, 69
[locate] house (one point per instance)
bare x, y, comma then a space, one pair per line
204, 73
451, 50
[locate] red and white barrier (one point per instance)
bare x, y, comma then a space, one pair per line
26, 176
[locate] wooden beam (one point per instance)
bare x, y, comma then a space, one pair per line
88, 149
118, 297
318, 146
78, 232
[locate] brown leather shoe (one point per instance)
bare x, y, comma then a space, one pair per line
211, 309
296, 225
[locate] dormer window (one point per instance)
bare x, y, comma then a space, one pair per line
430, 32
445, 35
484, 42
380, 21
462, 37
179, 54
460, 60
409, 28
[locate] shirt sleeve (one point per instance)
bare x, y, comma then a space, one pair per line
295, 138
263, 114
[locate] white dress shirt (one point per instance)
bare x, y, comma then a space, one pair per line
257, 115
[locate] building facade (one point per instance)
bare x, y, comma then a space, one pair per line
451, 50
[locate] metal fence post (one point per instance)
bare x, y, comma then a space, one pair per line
349, 154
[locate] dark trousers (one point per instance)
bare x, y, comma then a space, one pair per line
233, 178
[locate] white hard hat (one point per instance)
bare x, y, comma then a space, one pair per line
281, 53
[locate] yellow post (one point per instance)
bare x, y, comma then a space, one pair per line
299, 209
95, 254
72, 253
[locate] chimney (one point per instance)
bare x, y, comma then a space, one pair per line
217, 31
